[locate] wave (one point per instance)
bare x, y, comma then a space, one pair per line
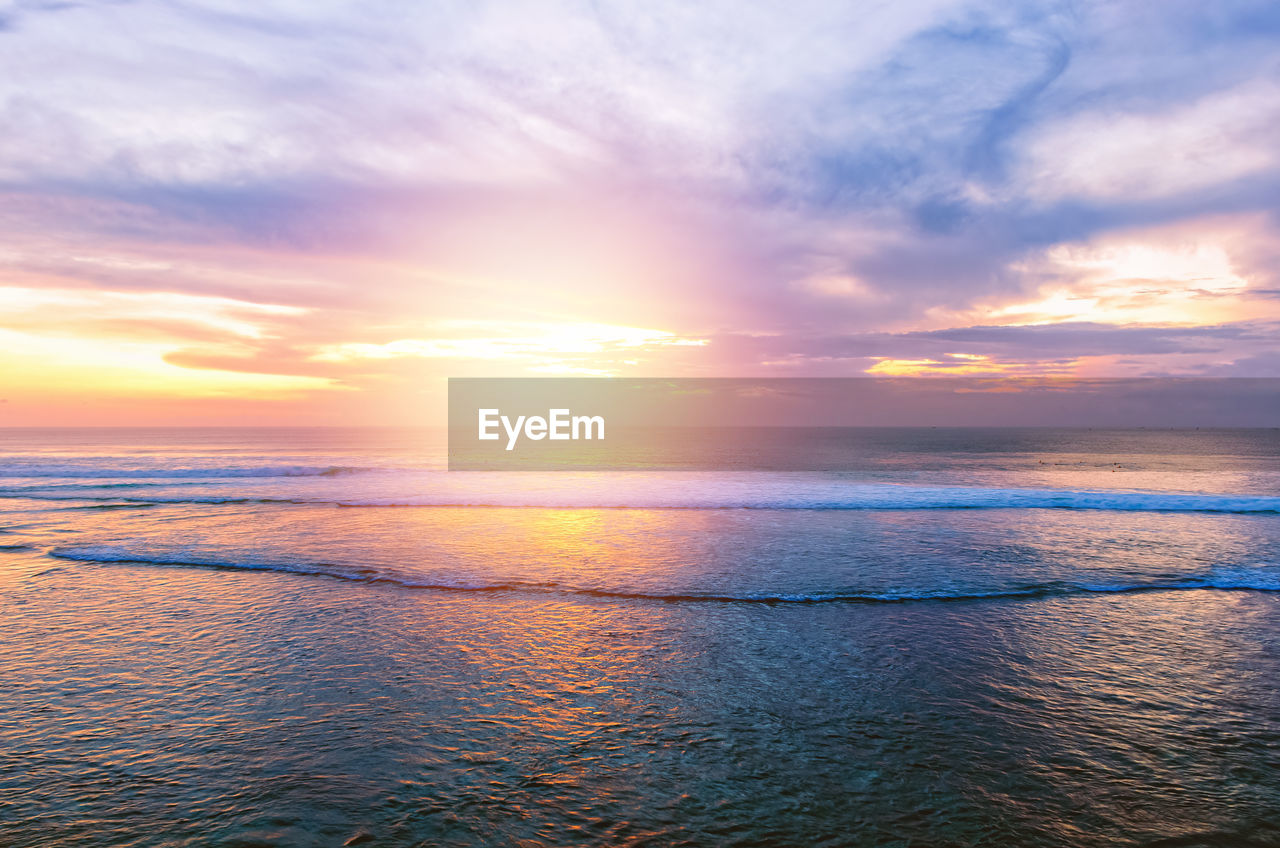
107, 506
107, 472
1240, 579
713, 497
118, 502
864, 497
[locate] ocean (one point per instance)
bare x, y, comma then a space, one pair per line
1008, 637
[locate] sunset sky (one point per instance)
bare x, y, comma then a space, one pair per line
309, 212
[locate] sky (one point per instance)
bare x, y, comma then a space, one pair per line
298, 211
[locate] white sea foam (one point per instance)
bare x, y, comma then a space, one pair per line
641, 491
817, 495
114, 470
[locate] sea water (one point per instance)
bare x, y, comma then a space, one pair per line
318, 636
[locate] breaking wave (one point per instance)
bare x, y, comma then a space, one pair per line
712, 495
1259, 579
111, 472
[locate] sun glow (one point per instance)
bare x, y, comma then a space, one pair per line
38, 366
958, 365
56, 311
541, 346
92, 343
1136, 283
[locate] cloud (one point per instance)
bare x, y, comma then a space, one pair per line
1074, 347
820, 186
1217, 140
